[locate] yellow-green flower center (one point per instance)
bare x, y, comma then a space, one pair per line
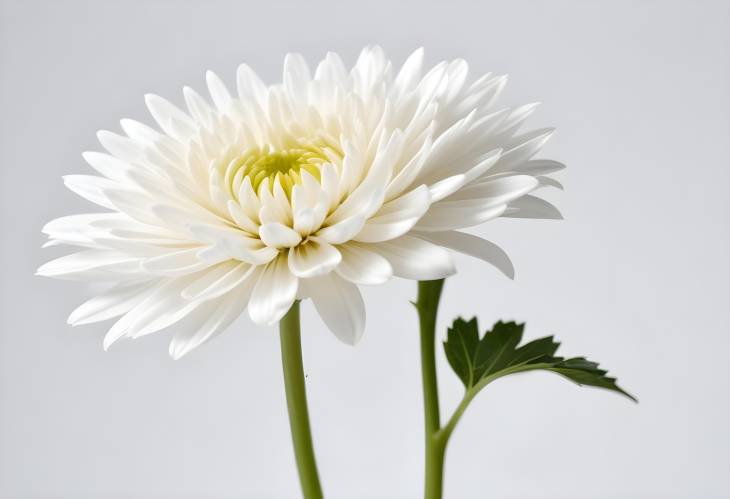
285, 165
268, 164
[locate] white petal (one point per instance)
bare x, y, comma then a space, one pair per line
342, 231
91, 188
176, 263
107, 165
473, 246
340, 305
218, 281
210, 321
363, 266
248, 83
539, 167
239, 215
173, 121
218, 91
331, 69
228, 243
163, 307
410, 73
476, 203
277, 235
396, 217
414, 258
313, 258
199, 109
514, 121
274, 292
134, 204
369, 195
527, 146
112, 303
275, 207
121, 147
440, 218
296, 75
77, 229
493, 190
449, 185
140, 132
92, 264
532, 207
309, 205
549, 182
249, 201
404, 178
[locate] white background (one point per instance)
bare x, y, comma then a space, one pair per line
637, 276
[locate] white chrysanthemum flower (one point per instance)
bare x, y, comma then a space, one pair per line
304, 189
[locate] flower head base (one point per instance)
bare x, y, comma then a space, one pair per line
304, 189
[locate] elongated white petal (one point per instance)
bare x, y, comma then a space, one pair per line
91, 188
343, 230
210, 321
107, 165
248, 83
413, 258
331, 69
219, 281
410, 74
92, 265
116, 301
218, 91
340, 305
396, 217
278, 235
473, 246
532, 207
121, 147
476, 203
167, 115
275, 207
527, 146
176, 263
229, 243
440, 218
163, 307
242, 219
296, 75
313, 258
134, 204
199, 109
274, 292
539, 167
140, 132
361, 265
549, 182
450, 185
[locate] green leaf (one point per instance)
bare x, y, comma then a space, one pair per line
479, 361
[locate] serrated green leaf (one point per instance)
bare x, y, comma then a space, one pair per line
478, 361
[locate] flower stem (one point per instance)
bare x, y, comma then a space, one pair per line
296, 401
429, 294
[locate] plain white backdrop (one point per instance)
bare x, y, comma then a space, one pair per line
637, 276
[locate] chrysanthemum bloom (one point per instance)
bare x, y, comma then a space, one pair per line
299, 190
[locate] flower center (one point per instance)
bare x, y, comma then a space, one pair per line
285, 165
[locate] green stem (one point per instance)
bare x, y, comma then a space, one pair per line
296, 401
429, 294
